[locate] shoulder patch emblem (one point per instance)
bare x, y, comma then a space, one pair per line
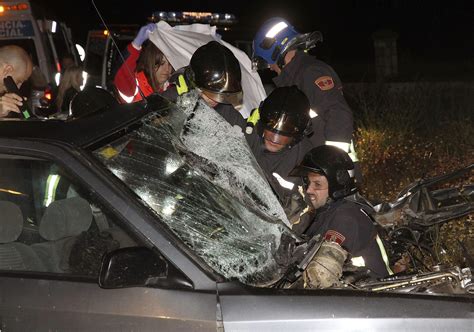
333, 236
325, 83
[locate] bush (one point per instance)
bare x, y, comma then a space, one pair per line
410, 131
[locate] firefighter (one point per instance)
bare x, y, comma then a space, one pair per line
349, 233
149, 66
215, 72
278, 46
280, 136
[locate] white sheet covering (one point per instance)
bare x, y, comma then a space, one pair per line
178, 43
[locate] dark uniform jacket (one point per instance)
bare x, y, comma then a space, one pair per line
322, 86
277, 166
349, 225
228, 112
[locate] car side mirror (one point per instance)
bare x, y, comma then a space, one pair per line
139, 266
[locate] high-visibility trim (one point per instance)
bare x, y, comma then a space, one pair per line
252, 121
276, 29
57, 78
353, 153
85, 75
384, 254
128, 99
285, 184
312, 114
344, 146
50, 190
254, 117
181, 86
358, 261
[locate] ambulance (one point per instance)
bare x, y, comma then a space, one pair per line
46, 40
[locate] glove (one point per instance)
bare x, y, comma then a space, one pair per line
326, 267
143, 34
284, 253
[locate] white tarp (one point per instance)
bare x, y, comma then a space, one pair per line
178, 43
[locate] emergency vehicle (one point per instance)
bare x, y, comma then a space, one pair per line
46, 40
102, 57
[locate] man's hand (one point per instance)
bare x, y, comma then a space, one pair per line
10, 102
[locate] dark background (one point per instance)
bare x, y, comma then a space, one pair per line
435, 38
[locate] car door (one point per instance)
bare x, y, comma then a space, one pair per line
245, 309
60, 217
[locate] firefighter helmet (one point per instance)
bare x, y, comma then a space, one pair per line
334, 164
277, 37
286, 112
216, 72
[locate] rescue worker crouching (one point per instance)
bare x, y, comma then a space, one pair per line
146, 69
279, 134
280, 47
215, 72
348, 232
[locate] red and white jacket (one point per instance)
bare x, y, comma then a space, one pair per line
127, 85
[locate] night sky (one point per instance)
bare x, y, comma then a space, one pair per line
430, 31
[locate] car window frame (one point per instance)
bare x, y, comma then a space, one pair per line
112, 194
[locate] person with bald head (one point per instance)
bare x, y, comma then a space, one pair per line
14, 62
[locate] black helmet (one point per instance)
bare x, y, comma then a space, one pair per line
286, 112
216, 72
334, 164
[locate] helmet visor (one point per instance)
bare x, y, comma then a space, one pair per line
276, 138
302, 171
232, 98
284, 125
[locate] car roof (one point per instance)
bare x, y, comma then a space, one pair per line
83, 131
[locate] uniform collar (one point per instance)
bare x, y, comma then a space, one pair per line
330, 205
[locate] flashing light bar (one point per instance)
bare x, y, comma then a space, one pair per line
197, 15
16, 7
194, 17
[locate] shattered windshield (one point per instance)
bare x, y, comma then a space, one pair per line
198, 175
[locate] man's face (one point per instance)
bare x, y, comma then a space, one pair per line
275, 142
288, 57
19, 75
318, 189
